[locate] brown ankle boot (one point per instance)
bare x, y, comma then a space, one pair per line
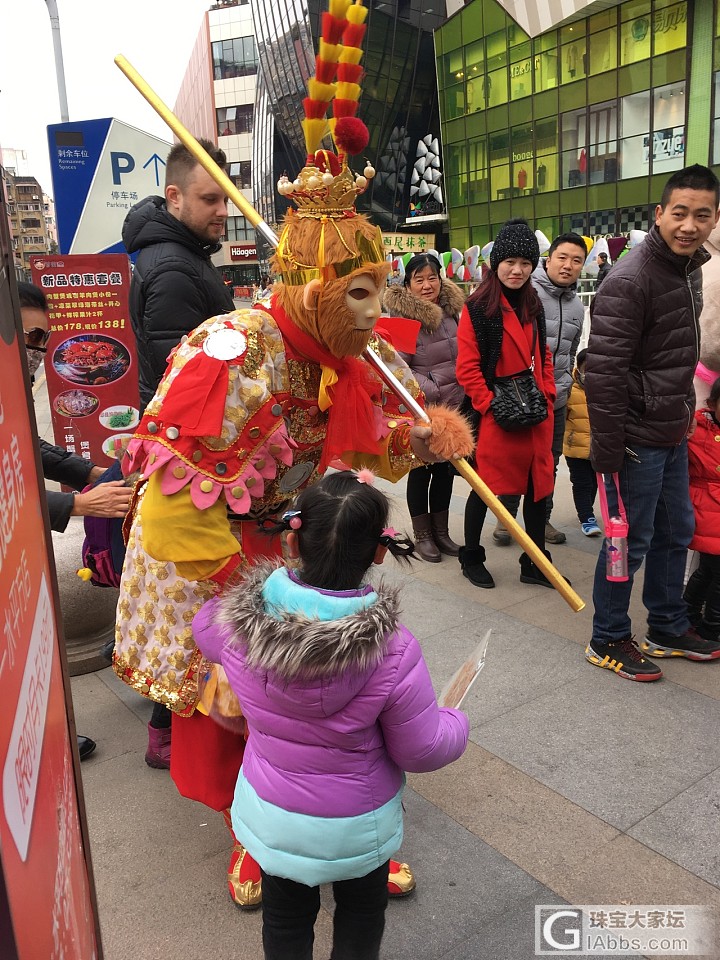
424, 543
439, 524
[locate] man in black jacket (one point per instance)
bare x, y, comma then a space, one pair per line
175, 285
643, 350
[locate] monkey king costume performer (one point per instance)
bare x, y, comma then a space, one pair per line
254, 405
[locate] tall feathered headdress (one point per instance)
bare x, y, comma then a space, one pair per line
326, 188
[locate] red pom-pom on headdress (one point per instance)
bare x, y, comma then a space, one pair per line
351, 135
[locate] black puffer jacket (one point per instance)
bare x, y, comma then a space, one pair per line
174, 286
63, 467
644, 346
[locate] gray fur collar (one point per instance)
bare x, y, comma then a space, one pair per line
300, 647
399, 302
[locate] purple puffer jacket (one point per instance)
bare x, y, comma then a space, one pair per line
433, 363
339, 703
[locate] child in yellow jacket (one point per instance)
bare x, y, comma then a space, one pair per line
576, 448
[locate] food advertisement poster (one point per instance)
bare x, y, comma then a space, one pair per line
46, 886
90, 365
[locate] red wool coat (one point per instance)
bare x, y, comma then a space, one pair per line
505, 459
704, 464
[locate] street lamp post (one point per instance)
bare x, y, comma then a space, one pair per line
59, 67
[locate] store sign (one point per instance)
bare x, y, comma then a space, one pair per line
91, 361
666, 144
243, 251
45, 880
408, 242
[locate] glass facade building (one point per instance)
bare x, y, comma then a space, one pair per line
399, 104
579, 127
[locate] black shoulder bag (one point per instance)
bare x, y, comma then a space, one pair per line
518, 402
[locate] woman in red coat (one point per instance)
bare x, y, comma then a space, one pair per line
501, 333
702, 593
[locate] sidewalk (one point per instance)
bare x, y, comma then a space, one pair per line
576, 787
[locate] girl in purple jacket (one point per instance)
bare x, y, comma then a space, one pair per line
339, 704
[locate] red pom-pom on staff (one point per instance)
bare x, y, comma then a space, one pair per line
351, 135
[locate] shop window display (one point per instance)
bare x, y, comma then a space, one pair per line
574, 157
603, 51
573, 60
635, 32
669, 27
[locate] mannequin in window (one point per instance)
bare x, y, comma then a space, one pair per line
522, 178
582, 161
541, 174
487, 87
572, 61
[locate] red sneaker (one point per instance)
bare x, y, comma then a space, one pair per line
401, 881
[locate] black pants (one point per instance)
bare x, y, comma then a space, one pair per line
437, 478
533, 515
703, 589
584, 487
290, 909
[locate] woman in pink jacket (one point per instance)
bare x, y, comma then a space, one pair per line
339, 704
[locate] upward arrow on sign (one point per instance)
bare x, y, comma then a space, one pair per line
156, 160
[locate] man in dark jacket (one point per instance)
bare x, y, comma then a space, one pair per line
175, 285
603, 268
644, 346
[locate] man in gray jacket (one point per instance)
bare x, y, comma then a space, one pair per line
555, 281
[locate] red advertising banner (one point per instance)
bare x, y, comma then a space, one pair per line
42, 859
90, 364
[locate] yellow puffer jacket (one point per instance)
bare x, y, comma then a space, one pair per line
577, 425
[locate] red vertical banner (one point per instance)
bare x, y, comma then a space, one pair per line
90, 365
45, 874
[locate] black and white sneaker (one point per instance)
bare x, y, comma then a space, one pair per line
690, 645
623, 658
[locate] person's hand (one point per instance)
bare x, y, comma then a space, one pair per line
106, 500
419, 435
95, 474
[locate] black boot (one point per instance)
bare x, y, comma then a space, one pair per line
424, 542
441, 536
473, 567
695, 593
531, 573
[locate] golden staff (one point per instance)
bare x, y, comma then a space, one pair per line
251, 214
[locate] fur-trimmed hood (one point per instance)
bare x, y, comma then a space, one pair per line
298, 646
398, 301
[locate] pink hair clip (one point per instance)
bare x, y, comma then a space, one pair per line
366, 476
390, 532
292, 519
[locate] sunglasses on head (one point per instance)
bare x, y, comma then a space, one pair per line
37, 337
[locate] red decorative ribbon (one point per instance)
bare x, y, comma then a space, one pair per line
196, 398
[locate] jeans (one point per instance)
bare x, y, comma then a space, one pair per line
290, 909
584, 487
656, 495
511, 501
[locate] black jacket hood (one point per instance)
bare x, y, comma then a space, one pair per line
148, 223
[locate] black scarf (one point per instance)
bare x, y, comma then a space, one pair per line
489, 336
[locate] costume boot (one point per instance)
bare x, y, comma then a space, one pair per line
424, 543
473, 567
243, 876
441, 536
531, 573
157, 754
401, 881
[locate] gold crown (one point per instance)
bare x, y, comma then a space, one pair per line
317, 191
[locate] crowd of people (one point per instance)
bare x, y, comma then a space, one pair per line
271, 675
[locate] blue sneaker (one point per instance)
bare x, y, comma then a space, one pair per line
590, 527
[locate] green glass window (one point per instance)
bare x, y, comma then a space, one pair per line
546, 70
669, 28
716, 120
451, 69
500, 182
573, 60
635, 135
603, 20
494, 87
454, 99
521, 78
574, 156
668, 140
546, 173
635, 35
603, 51
496, 49
602, 143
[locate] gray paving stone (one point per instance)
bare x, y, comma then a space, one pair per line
687, 828
618, 749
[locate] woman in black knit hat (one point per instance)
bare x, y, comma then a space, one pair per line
502, 333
